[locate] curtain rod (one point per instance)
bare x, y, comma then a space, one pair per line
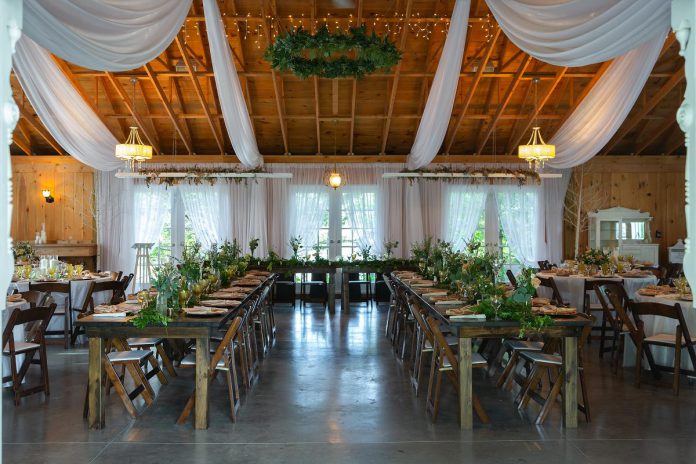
257, 175
394, 175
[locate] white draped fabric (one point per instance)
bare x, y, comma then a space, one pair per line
150, 207
464, 203
581, 32
208, 207
519, 213
438, 109
601, 113
553, 201
360, 202
115, 229
62, 110
248, 215
234, 109
307, 206
107, 35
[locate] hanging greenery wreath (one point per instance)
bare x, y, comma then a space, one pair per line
308, 55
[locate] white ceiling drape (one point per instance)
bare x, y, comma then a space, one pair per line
61, 109
107, 35
580, 32
234, 109
438, 109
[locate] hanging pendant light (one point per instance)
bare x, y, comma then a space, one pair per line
536, 152
133, 151
333, 178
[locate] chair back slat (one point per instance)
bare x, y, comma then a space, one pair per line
550, 283
34, 298
50, 287
511, 277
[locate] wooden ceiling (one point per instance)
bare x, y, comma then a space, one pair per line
176, 99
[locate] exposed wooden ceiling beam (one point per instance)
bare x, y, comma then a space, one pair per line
503, 104
655, 134
168, 108
129, 104
673, 142
199, 93
472, 90
629, 124
354, 94
26, 148
514, 140
395, 82
274, 77
38, 127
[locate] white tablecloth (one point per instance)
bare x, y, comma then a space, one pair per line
77, 295
656, 324
572, 288
18, 333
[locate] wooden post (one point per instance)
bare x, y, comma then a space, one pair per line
570, 382
95, 389
466, 419
202, 380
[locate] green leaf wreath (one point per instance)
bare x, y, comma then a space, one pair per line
308, 55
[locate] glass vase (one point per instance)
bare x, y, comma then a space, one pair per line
161, 304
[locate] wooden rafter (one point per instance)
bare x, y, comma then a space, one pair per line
354, 93
503, 104
628, 125
276, 91
395, 82
148, 111
38, 127
67, 72
168, 108
654, 135
515, 139
199, 93
22, 145
676, 141
129, 104
472, 90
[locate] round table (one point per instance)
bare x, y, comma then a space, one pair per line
657, 324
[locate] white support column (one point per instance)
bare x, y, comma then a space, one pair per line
10, 30
683, 22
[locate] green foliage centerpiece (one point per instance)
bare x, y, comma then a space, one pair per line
305, 54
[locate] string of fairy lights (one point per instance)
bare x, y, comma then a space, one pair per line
250, 27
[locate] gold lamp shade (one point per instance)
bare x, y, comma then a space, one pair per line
536, 152
133, 150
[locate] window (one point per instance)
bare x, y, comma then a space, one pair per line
358, 212
632, 231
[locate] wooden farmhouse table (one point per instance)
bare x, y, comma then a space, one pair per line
100, 329
568, 328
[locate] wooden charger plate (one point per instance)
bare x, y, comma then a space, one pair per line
220, 303
202, 311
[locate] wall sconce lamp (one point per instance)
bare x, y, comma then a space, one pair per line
47, 196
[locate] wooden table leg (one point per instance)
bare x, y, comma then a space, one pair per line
332, 292
466, 419
95, 386
202, 378
570, 382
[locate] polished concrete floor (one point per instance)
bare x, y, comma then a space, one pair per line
332, 391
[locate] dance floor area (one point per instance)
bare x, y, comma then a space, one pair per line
333, 391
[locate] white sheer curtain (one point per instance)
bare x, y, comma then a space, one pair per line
67, 117
248, 208
115, 222
581, 32
207, 207
234, 109
307, 206
360, 202
151, 205
554, 193
464, 205
519, 211
601, 113
107, 35
438, 109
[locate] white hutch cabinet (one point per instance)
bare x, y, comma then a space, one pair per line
623, 229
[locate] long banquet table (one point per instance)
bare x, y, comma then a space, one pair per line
567, 328
99, 329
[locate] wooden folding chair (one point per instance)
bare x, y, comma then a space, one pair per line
612, 321
556, 297
41, 316
223, 360
63, 288
545, 362
677, 341
445, 362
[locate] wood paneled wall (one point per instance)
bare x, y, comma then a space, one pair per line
650, 183
70, 216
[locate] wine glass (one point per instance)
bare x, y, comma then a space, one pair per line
497, 303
